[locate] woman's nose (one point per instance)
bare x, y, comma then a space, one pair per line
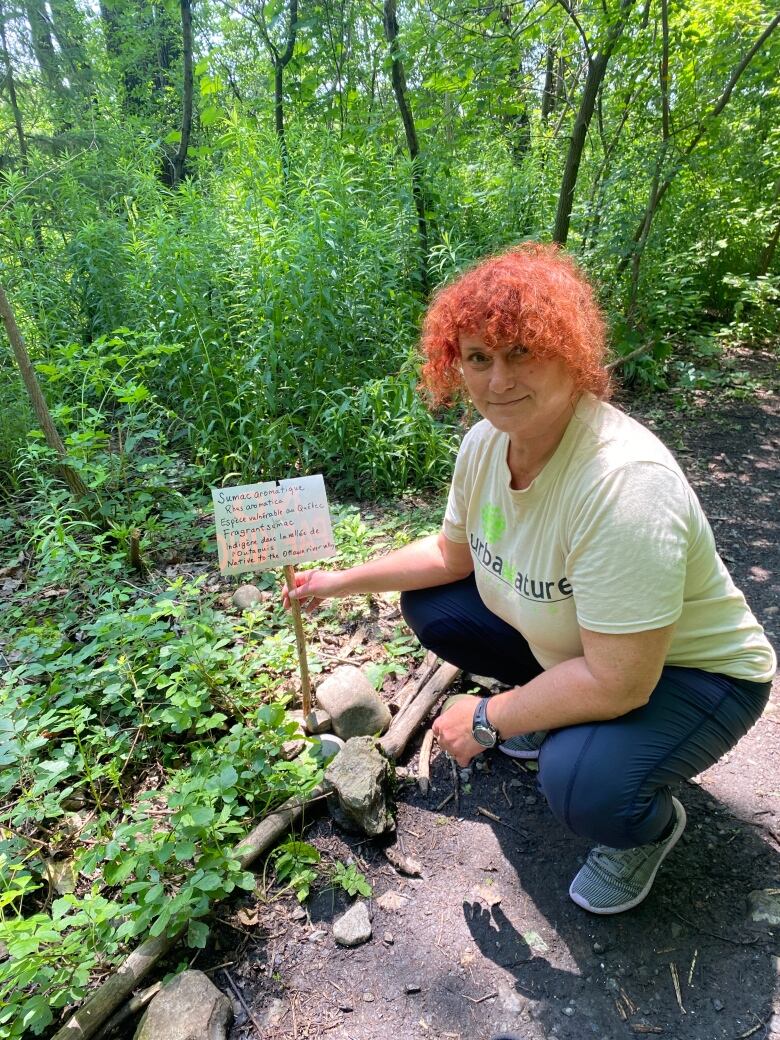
502, 376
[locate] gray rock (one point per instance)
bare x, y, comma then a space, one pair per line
355, 708
764, 905
354, 927
246, 596
317, 721
190, 1007
357, 779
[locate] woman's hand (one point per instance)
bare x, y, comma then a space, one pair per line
311, 588
452, 729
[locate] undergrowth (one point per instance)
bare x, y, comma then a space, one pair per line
142, 726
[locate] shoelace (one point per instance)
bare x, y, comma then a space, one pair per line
615, 861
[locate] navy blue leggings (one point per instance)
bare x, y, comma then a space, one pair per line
607, 781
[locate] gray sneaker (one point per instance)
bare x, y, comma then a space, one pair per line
614, 880
526, 745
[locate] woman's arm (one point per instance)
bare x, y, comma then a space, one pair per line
431, 561
616, 674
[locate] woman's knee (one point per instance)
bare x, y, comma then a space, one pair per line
586, 792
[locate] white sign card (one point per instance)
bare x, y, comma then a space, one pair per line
281, 522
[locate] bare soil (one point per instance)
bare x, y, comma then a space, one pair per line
487, 938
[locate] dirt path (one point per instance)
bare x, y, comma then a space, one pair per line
487, 939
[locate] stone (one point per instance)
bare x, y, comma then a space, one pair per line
356, 780
388, 938
676, 930
404, 864
273, 1013
368, 997
355, 708
190, 1007
764, 905
718, 1004
326, 746
568, 1011
391, 902
246, 596
509, 999
599, 947
317, 721
412, 987
354, 927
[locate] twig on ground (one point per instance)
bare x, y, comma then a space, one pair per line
676, 982
480, 1000
755, 1029
424, 766
497, 819
715, 935
693, 965
445, 801
508, 799
240, 998
455, 784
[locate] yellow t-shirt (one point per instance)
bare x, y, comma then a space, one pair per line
609, 536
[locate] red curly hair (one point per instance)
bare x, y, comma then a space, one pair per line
533, 295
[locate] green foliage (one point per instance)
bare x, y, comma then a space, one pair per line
348, 877
294, 864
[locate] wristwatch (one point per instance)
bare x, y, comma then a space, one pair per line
481, 730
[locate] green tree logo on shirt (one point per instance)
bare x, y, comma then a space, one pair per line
493, 522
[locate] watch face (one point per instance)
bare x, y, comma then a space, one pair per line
484, 735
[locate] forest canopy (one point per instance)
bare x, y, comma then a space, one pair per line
227, 217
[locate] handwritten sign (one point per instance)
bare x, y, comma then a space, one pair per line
279, 523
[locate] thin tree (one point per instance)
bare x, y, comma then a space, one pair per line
9, 79
598, 61
178, 162
660, 185
398, 77
280, 59
53, 439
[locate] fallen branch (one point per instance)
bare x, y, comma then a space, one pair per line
405, 724
415, 683
85, 1022
132, 1007
424, 766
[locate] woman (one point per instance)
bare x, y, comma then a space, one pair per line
575, 565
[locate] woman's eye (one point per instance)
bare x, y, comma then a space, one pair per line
518, 353
478, 359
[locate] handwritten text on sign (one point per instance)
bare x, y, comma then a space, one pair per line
268, 525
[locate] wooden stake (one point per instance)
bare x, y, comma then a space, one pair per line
300, 642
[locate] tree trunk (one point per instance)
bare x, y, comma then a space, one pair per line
398, 77
180, 159
597, 67
548, 94
53, 439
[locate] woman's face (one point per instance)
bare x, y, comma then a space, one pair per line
522, 395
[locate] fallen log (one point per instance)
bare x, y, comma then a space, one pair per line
84, 1023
